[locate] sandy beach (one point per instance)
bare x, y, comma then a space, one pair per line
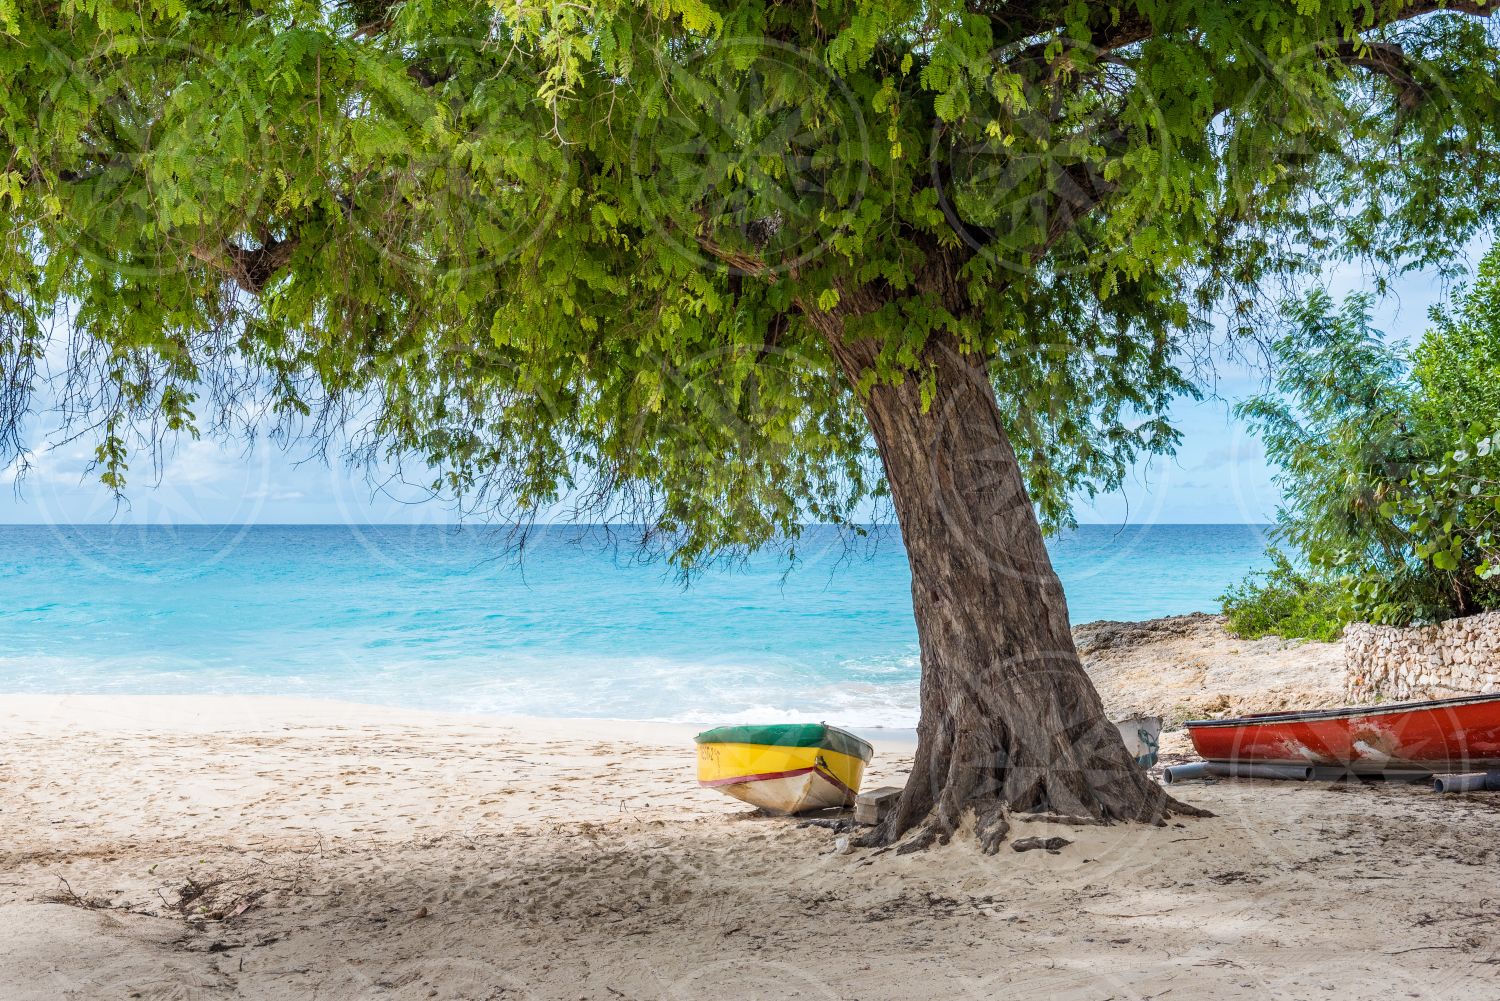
217, 847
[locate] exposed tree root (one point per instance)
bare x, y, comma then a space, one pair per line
1114, 790
921, 841
992, 825
1058, 818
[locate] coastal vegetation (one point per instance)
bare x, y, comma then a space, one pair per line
719, 269
1390, 466
1285, 601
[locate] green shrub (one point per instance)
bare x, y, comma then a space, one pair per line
1284, 601
1451, 503
1451, 507
1456, 367
1339, 430
1389, 466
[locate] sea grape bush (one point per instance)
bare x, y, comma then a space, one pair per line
1451, 507
1390, 464
1286, 601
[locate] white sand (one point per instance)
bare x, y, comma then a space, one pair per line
348, 852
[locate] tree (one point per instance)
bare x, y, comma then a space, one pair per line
1389, 465
1453, 503
726, 267
1339, 428
1456, 366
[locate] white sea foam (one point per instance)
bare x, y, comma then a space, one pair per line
633, 688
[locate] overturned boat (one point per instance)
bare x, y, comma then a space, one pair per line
1440, 735
784, 767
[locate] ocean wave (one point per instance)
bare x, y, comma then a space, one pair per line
653, 689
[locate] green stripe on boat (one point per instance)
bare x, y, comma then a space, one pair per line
791, 735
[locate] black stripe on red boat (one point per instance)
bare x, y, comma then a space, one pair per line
1350, 712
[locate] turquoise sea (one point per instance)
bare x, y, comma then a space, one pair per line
438, 618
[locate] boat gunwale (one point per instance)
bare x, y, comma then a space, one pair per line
828, 738
1345, 712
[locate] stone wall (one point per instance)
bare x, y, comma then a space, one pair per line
1460, 656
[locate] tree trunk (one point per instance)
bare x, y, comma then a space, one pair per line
1009, 719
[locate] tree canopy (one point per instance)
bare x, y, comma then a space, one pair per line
591, 250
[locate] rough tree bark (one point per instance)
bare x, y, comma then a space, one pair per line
1009, 719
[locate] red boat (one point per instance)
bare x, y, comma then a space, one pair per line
1443, 735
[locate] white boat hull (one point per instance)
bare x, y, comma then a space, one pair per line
789, 794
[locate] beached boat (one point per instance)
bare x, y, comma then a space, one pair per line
1442, 735
784, 768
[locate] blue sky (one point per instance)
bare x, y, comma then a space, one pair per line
1219, 474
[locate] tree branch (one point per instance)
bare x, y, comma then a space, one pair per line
1390, 61
1477, 8
252, 270
1112, 29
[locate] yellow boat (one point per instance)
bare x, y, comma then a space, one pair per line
785, 767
